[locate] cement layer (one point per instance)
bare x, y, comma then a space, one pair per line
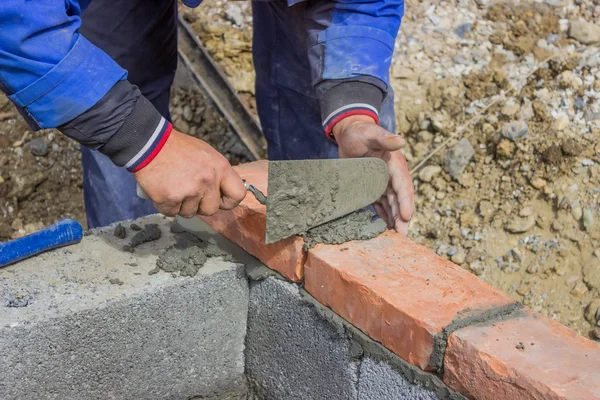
355, 226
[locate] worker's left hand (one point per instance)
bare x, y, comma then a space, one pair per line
360, 136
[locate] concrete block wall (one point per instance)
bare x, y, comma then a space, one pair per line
429, 312
89, 322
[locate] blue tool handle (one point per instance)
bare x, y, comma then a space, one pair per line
62, 233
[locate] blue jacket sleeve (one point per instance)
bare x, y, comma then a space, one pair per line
350, 45
51, 72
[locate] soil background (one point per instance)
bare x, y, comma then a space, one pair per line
508, 94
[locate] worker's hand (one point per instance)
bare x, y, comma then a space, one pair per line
189, 177
360, 136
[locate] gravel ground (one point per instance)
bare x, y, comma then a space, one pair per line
505, 96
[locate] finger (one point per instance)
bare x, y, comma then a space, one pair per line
402, 227
233, 190
393, 200
388, 210
382, 213
189, 207
406, 209
210, 202
168, 209
378, 138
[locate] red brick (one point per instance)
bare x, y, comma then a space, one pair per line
399, 293
245, 225
484, 363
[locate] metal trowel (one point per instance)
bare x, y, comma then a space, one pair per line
304, 194
307, 193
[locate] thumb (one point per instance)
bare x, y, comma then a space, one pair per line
380, 139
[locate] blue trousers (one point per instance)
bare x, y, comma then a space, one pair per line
141, 35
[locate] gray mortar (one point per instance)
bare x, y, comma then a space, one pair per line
301, 198
467, 318
356, 226
188, 254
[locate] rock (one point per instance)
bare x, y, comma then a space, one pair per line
576, 211
526, 212
592, 312
586, 162
523, 289
514, 130
120, 232
538, 183
588, 219
526, 112
579, 290
562, 121
591, 273
510, 109
459, 257
552, 155
521, 225
557, 226
38, 147
429, 172
458, 157
233, 13
486, 209
24, 183
17, 224
505, 149
571, 148
187, 113
589, 115
584, 32
463, 29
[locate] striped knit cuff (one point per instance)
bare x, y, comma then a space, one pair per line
346, 111
140, 137
151, 148
342, 99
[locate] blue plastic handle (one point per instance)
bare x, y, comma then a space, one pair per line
62, 233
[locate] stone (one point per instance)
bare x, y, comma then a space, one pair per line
459, 257
510, 109
24, 183
588, 219
233, 13
576, 211
579, 290
591, 273
514, 130
538, 183
463, 29
526, 212
526, 113
505, 149
592, 312
429, 172
521, 225
562, 121
38, 147
458, 157
584, 32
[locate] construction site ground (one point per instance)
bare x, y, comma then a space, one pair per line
519, 82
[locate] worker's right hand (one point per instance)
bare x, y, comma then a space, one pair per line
189, 177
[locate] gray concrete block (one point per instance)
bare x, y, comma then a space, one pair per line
379, 381
92, 324
293, 353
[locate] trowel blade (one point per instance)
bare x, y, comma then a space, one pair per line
307, 193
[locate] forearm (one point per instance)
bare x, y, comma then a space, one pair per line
57, 79
350, 49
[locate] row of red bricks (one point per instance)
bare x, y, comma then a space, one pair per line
403, 295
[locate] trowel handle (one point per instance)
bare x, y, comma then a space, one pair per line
260, 196
262, 199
